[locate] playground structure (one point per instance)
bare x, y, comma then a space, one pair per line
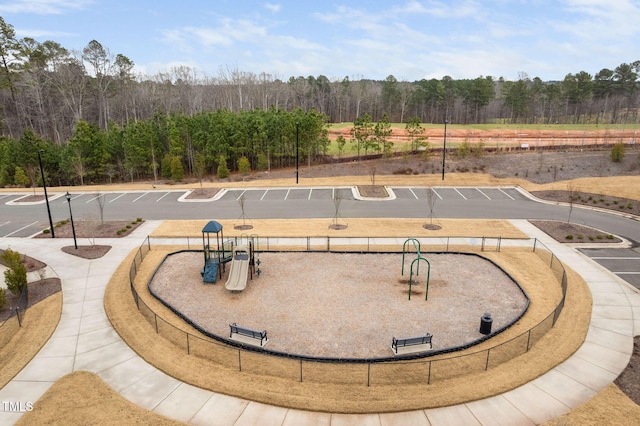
241, 255
215, 259
242, 264
419, 257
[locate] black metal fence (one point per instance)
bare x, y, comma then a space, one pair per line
425, 368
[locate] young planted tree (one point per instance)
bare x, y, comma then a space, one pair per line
16, 276
432, 197
336, 205
617, 152
223, 170
361, 132
199, 167
244, 166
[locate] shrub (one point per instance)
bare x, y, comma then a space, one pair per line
569, 237
464, 149
177, 171
262, 161
16, 276
609, 237
3, 298
244, 166
617, 152
138, 219
20, 177
223, 170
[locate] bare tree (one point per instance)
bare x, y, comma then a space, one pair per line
100, 199
431, 202
336, 204
571, 191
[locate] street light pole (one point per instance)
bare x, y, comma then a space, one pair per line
46, 198
297, 152
444, 146
73, 228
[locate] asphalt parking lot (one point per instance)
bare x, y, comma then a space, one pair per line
625, 263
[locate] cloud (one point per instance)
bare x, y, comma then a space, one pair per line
37, 34
43, 7
273, 7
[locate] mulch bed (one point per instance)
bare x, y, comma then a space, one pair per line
93, 229
38, 290
628, 379
30, 263
567, 232
202, 193
373, 191
623, 205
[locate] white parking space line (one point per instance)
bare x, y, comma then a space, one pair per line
94, 198
165, 194
456, 189
310, 192
627, 273
265, 194
287, 194
111, 201
241, 194
436, 192
139, 197
333, 193
414, 194
478, 189
3, 196
500, 189
5, 223
615, 258
18, 230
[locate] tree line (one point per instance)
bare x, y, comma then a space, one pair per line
63, 100
167, 147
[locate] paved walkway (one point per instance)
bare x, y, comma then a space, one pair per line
85, 340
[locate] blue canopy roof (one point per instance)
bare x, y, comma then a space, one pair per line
212, 226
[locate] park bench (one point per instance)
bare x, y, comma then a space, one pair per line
248, 332
411, 341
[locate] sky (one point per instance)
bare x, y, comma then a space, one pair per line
372, 39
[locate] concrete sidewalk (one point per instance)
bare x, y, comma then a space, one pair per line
85, 340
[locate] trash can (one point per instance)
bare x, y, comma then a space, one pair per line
485, 323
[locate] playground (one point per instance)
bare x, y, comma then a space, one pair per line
345, 305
